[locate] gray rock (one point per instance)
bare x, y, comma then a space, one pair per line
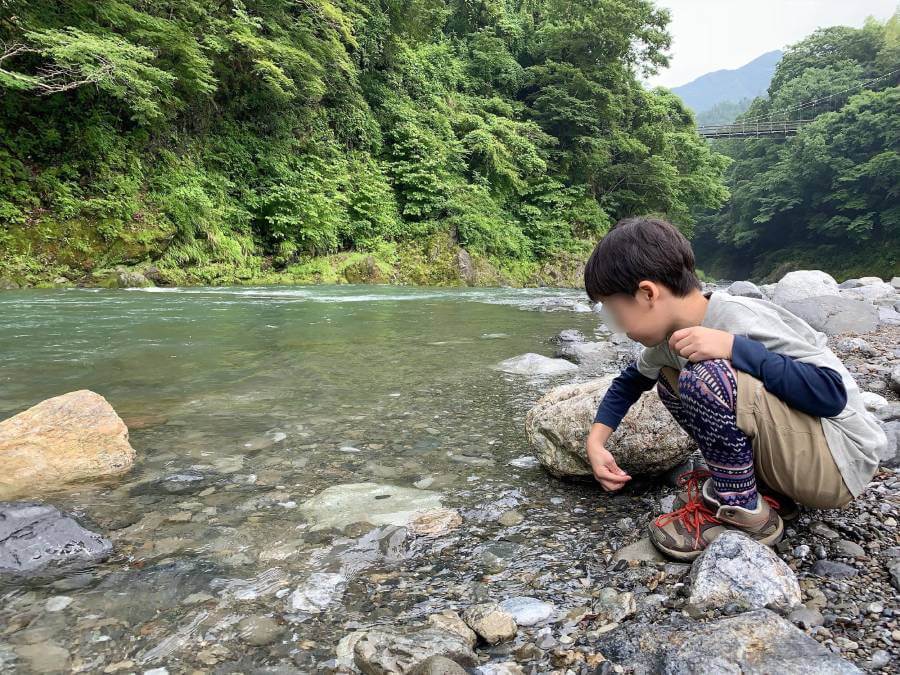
850, 548
873, 401
830, 568
258, 630
802, 285
895, 282
735, 568
894, 381
807, 617
124, 278
856, 345
38, 539
753, 643
888, 316
490, 622
591, 355
536, 364
643, 549
615, 606
527, 611
375, 503
647, 441
832, 315
894, 571
317, 592
569, 335
746, 289
890, 456
870, 292
380, 652
438, 665
452, 622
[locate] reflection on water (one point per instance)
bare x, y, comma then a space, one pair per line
244, 402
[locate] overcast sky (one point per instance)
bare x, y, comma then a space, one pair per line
710, 35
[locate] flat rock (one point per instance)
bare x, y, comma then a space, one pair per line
375, 503
643, 549
66, 438
379, 652
38, 539
536, 364
804, 284
830, 568
735, 568
647, 441
833, 315
317, 592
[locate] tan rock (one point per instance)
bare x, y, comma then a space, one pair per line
435, 522
452, 622
647, 441
490, 622
66, 438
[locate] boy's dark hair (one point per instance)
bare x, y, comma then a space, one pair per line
638, 249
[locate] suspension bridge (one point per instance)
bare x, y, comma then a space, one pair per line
788, 121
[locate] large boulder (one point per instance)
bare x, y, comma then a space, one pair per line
63, 439
39, 540
647, 441
735, 568
804, 284
752, 643
834, 315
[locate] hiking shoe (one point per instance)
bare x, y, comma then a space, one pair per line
762, 523
686, 531
696, 480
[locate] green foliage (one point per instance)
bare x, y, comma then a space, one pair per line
834, 186
259, 136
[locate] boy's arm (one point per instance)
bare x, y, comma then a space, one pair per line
621, 395
815, 390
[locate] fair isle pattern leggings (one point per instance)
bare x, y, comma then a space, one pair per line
704, 406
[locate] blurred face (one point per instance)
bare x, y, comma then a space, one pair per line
644, 317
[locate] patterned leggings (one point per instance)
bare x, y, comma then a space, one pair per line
704, 406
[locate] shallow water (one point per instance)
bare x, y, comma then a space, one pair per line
244, 402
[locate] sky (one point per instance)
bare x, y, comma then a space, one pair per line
710, 35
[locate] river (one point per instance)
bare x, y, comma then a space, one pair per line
242, 403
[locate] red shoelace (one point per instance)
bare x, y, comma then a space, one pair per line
694, 514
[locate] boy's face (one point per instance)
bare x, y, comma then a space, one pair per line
644, 317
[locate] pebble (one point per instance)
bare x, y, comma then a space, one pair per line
57, 603
830, 568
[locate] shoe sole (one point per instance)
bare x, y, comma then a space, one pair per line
688, 556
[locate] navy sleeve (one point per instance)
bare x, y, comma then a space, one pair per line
622, 393
815, 390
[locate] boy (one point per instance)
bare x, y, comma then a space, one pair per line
772, 409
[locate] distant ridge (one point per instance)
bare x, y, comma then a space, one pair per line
721, 86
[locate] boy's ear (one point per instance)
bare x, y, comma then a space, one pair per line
648, 290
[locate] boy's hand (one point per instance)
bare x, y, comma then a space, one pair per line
606, 471
699, 343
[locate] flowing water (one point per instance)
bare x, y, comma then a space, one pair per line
242, 403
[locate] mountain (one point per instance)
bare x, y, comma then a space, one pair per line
720, 86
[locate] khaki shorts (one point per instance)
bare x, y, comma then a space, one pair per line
790, 453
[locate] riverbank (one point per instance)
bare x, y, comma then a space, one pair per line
38, 260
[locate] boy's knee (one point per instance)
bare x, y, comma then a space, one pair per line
696, 372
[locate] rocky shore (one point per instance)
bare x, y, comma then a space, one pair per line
550, 576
